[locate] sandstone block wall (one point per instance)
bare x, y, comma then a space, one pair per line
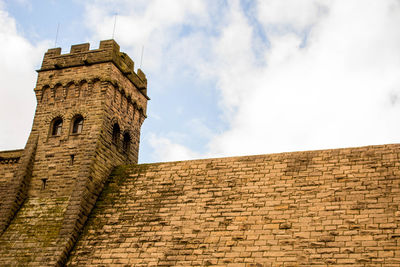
317, 208
30, 240
14, 193
8, 165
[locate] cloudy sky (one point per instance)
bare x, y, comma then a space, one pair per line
225, 77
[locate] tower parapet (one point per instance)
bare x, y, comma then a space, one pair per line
80, 55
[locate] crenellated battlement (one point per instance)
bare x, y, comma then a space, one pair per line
80, 55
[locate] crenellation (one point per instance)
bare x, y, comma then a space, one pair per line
52, 52
79, 48
128, 62
108, 51
109, 45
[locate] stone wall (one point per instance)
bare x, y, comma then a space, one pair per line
317, 208
13, 195
8, 165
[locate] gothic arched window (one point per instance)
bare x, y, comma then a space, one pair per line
56, 126
126, 142
116, 133
77, 124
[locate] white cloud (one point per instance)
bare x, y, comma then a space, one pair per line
167, 150
156, 25
331, 93
200, 128
17, 99
284, 15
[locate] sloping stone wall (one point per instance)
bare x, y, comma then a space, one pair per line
33, 232
8, 165
14, 192
317, 208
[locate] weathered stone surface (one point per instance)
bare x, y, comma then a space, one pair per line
285, 209
8, 165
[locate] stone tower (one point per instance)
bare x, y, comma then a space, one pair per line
90, 108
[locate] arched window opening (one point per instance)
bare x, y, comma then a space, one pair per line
44, 181
56, 127
116, 133
59, 92
45, 94
71, 91
134, 111
84, 89
127, 142
77, 125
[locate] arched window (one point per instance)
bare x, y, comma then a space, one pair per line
116, 133
56, 127
126, 143
77, 125
45, 94
59, 92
